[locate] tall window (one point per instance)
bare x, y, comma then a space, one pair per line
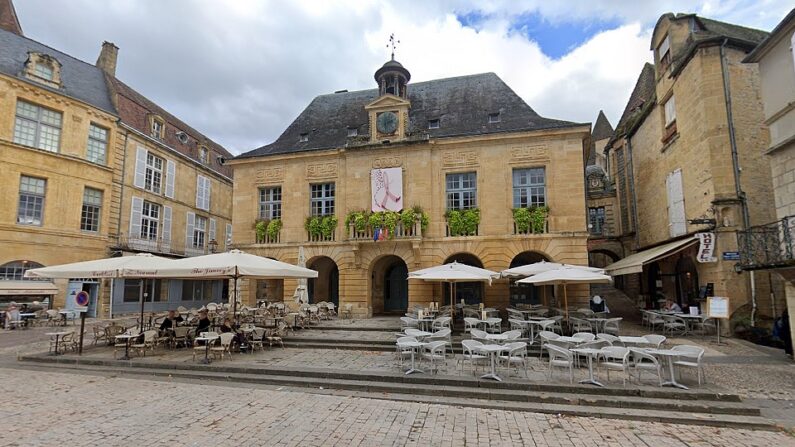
150, 218
203, 154
154, 173
92, 205
596, 219
664, 53
158, 126
670, 111
199, 231
529, 188
197, 290
15, 270
322, 199
270, 203
462, 191
152, 289
37, 127
97, 144
44, 71
31, 200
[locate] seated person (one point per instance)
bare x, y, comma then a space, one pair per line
171, 321
227, 327
12, 314
204, 323
671, 306
597, 304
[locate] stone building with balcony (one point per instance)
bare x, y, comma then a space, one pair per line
686, 158
376, 183
770, 247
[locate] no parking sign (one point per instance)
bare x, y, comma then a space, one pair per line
81, 300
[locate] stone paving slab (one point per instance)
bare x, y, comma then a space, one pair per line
108, 411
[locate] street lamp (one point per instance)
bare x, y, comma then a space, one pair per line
213, 245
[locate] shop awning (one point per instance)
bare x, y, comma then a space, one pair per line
27, 288
634, 263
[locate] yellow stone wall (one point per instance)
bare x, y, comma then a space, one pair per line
59, 239
424, 167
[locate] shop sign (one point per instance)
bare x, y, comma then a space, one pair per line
706, 248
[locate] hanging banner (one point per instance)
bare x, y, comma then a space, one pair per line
706, 248
387, 189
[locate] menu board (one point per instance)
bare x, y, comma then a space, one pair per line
718, 307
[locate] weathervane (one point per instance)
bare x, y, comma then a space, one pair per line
392, 43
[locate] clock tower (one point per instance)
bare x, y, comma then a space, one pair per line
389, 113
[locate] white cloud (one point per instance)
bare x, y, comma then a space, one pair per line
241, 71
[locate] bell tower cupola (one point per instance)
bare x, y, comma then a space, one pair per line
392, 77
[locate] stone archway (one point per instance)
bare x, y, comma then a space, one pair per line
389, 288
326, 286
470, 292
686, 282
528, 293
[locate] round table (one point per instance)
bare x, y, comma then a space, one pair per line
126, 338
207, 342
492, 351
414, 345
670, 356
57, 336
591, 354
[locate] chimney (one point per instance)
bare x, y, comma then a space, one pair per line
8, 18
107, 58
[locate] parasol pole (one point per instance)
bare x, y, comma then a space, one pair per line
566, 301
452, 303
141, 297
234, 304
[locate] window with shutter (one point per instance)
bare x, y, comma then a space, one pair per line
171, 172
207, 193
228, 238
676, 204
140, 167
212, 230
191, 221
135, 217
166, 228
203, 193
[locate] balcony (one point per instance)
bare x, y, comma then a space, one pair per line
541, 228
268, 239
158, 245
767, 246
321, 237
401, 232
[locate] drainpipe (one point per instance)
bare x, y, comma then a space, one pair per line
736, 163
631, 187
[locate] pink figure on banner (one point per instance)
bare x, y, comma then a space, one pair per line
387, 186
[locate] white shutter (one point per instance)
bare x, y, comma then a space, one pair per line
166, 243
792, 47
171, 173
212, 230
676, 204
207, 193
189, 229
135, 217
228, 238
199, 192
140, 167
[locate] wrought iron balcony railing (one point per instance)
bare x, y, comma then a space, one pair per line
767, 246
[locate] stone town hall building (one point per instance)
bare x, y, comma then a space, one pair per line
462, 153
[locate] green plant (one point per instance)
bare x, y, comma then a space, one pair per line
391, 219
274, 226
531, 220
359, 219
313, 226
463, 222
375, 220
408, 217
260, 226
328, 225
424, 219
521, 217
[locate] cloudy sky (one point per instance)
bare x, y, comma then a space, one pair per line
241, 70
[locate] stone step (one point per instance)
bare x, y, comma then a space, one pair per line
365, 345
725, 414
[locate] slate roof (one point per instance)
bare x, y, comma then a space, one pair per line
601, 130
462, 104
134, 110
776, 35
79, 80
641, 99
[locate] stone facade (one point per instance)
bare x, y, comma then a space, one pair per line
364, 265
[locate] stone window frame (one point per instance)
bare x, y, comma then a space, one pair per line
668, 125
157, 126
460, 196
531, 187
32, 197
15, 270
91, 214
35, 60
322, 199
200, 232
204, 154
97, 144
46, 126
664, 59
596, 220
151, 216
270, 202
153, 180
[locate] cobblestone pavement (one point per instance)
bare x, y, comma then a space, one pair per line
67, 409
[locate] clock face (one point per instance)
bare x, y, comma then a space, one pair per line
386, 122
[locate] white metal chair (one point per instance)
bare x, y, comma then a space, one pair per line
443, 335
517, 355
612, 339
148, 343
434, 351
691, 357
477, 334
612, 326
586, 336
615, 358
441, 323
655, 319
674, 324
561, 358
401, 349
224, 346
656, 340
580, 325
407, 322
558, 325
469, 348
643, 361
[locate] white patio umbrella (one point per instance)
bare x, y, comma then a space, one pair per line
300, 294
453, 273
535, 268
567, 275
142, 265
234, 264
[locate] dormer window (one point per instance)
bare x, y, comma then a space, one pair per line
203, 154
43, 69
664, 53
303, 138
156, 127
433, 124
494, 117
353, 132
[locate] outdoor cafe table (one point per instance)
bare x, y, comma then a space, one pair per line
425, 322
591, 354
207, 342
64, 314
414, 345
420, 334
127, 338
542, 325
598, 322
692, 319
492, 351
670, 356
572, 340
626, 340
490, 323
57, 336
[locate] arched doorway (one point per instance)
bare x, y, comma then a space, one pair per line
528, 293
601, 258
653, 285
469, 292
326, 286
686, 282
389, 288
